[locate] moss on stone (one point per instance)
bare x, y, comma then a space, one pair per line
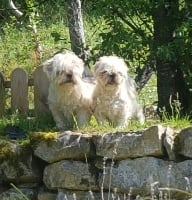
14, 149
7, 149
42, 136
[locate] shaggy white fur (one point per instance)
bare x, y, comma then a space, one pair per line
115, 96
70, 97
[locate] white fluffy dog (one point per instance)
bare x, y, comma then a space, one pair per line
70, 97
115, 97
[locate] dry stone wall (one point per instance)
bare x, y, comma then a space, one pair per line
110, 166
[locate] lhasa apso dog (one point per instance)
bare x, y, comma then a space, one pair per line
115, 97
70, 97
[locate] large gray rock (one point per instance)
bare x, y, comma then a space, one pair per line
184, 142
131, 145
69, 175
67, 145
141, 173
17, 163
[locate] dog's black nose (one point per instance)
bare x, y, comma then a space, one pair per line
112, 75
69, 77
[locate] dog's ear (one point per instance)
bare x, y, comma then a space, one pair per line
48, 67
96, 66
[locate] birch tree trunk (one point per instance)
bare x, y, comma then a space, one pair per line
76, 31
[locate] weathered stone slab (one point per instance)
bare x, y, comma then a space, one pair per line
131, 145
69, 175
184, 145
17, 163
139, 174
67, 145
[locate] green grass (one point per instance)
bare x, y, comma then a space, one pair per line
17, 47
176, 121
46, 124
29, 124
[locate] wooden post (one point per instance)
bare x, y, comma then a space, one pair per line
19, 91
2, 94
41, 86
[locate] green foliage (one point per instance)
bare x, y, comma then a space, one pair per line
183, 48
128, 31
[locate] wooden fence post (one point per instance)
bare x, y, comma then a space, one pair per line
19, 91
41, 86
2, 94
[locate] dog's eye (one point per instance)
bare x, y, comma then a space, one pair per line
59, 73
104, 72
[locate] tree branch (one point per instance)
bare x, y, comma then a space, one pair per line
14, 9
132, 26
145, 73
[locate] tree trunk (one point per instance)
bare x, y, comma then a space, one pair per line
171, 87
76, 31
75, 24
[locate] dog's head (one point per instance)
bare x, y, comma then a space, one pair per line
64, 68
110, 71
